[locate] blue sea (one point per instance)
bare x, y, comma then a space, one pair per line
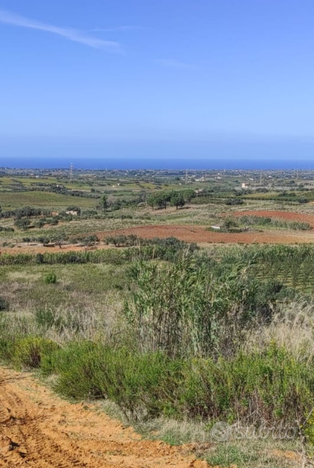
158, 164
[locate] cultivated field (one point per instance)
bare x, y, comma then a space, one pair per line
201, 235
165, 301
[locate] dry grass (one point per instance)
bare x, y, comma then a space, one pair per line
292, 328
257, 454
97, 322
85, 303
244, 453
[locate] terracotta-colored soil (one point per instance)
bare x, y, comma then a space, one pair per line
39, 430
199, 234
35, 249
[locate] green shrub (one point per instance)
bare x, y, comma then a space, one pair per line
28, 352
4, 305
267, 385
6, 350
75, 366
234, 201
51, 278
141, 385
86, 240
23, 223
270, 384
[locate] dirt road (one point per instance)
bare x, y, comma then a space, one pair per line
38, 429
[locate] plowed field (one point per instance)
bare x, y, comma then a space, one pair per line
200, 235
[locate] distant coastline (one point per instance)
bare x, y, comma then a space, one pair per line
157, 164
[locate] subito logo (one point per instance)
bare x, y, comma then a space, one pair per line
220, 432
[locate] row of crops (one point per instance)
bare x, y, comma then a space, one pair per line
292, 265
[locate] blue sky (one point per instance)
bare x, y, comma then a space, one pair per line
157, 78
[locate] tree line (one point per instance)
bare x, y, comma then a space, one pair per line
173, 198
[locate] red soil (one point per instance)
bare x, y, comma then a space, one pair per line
199, 234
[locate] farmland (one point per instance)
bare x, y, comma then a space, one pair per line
174, 301
43, 199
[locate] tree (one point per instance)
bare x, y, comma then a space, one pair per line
151, 200
157, 200
230, 223
234, 201
177, 200
103, 203
23, 223
188, 195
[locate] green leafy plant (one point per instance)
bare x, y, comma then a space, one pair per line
51, 278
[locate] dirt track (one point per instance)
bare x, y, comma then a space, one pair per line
38, 429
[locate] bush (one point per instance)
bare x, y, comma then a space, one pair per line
74, 366
39, 224
4, 305
170, 248
23, 223
266, 385
234, 201
28, 352
278, 387
230, 224
51, 278
141, 385
87, 241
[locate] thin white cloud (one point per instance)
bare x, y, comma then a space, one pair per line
175, 64
70, 34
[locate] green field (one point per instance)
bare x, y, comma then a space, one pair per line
47, 200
